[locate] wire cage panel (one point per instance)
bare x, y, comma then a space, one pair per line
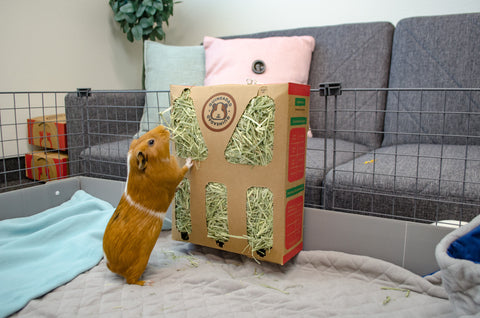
427, 166
410, 154
15, 109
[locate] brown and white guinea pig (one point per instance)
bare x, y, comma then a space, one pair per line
153, 176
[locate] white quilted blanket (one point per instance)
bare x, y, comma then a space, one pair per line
194, 281
461, 272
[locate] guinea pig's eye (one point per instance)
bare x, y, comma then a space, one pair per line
151, 142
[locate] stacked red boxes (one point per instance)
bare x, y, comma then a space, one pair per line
51, 161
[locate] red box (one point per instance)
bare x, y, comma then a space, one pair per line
44, 166
48, 131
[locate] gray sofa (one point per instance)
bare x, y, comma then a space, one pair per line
428, 165
382, 145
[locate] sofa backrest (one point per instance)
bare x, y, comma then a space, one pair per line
435, 52
102, 117
356, 55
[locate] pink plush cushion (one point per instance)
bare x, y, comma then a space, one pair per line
285, 59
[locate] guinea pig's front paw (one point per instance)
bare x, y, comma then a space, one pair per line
189, 162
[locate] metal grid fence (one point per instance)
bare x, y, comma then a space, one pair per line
411, 154
16, 108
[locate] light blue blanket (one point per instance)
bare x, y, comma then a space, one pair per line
46, 250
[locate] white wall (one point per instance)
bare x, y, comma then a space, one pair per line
65, 44
195, 18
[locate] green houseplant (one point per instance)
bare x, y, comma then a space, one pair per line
142, 19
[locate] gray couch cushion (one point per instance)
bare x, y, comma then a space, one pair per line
316, 167
103, 117
449, 175
434, 52
115, 151
357, 55
108, 160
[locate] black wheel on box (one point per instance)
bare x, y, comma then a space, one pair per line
262, 252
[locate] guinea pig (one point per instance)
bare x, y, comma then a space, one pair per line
153, 176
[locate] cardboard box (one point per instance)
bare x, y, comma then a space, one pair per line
48, 131
284, 175
46, 166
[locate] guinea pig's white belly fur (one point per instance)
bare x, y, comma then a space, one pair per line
138, 206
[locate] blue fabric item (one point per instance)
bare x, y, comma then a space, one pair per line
41, 252
466, 247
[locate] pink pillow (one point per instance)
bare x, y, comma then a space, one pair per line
266, 61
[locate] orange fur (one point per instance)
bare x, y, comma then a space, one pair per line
135, 225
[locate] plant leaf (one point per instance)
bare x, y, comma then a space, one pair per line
119, 16
114, 5
151, 10
140, 10
130, 36
146, 22
147, 31
159, 19
137, 32
131, 18
158, 5
127, 8
158, 31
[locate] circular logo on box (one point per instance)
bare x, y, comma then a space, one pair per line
219, 111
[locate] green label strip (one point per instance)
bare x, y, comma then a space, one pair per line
296, 121
295, 190
299, 101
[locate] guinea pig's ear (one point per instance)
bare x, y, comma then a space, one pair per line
141, 161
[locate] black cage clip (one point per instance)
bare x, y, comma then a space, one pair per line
83, 92
330, 89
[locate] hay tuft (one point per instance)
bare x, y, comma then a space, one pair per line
183, 220
252, 141
259, 212
216, 212
260, 219
185, 130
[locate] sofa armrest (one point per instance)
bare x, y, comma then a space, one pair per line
100, 117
